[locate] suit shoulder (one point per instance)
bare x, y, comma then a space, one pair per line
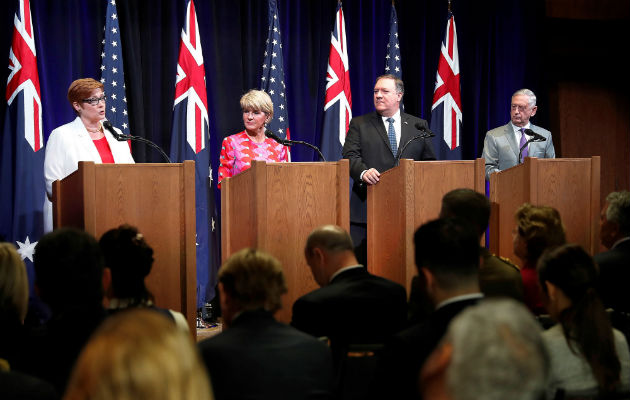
498, 131
492, 260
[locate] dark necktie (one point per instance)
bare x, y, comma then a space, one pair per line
391, 134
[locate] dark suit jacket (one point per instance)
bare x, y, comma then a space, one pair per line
367, 146
614, 275
260, 358
499, 278
406, 352
355, 307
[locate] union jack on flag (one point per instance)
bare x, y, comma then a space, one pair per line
22, 160
272, 80
338, 101
446, 111
189, 141
112, 72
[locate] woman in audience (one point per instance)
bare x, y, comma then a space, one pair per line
129, 259
239, 150
139, 355
537, 228
586, 353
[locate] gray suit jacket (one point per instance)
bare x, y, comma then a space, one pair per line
500, 149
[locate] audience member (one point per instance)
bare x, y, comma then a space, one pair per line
256, 356
614, 264
138, 354
69, 269
586, 352
351, 306
447, 255
491, 351
537, 228
13, 307
128, 258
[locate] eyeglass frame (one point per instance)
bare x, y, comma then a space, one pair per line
94, 101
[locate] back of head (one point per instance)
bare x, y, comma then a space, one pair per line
540, 227
330, 238
449, 248
585, 322
253, 279
135, 355
468, 205
69, 268
129, 258
498, 353
13, 283
619, 211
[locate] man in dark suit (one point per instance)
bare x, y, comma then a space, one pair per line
502, 145
352, 306
447, 255
256, 357
374, 142
614, 264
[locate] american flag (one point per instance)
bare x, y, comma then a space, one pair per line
22, 160
446, 111
112, 74
272, 80
189, 141
392, 59
338, 102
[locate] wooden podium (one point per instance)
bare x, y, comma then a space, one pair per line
406, 197
274, 206
570, 185
158, 199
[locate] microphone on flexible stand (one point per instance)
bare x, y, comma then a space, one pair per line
426, 134
289, 143
121, 138
535, 137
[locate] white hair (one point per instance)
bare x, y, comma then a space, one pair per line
530, 95
498, 353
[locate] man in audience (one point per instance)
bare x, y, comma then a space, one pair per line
69, 269
351, 306
256, 356
614, 264
491, 351
447, 255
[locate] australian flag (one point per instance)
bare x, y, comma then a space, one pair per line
22, 163
338, 102
189, 141
446, 111
272, 80
112, 73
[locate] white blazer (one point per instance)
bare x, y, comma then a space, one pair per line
66, 146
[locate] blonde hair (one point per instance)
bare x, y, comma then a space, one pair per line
258, 100
253, 279
540, 227
13, 282
139, 354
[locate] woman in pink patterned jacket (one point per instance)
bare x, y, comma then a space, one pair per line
239, 150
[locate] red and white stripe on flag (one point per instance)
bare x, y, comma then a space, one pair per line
447, 89
24, 76
191, 81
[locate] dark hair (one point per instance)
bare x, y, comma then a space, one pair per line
449, 248
69, 269
468, 205
130, 259
585, 322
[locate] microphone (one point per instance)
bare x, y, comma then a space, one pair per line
122, 138
288, 142
426, 132
536, 137
275, 137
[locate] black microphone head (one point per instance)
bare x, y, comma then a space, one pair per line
273, 136
108, 125
535, 135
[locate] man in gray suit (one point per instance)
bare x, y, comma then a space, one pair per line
502, 145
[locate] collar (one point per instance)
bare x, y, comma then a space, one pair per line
396, 117
517, 129
618, 242
344, 269
463, 297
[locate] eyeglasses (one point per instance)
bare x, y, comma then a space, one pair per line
93, 101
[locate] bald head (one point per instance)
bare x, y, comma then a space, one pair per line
328, 249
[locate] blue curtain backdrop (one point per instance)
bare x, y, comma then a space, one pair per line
498, 48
